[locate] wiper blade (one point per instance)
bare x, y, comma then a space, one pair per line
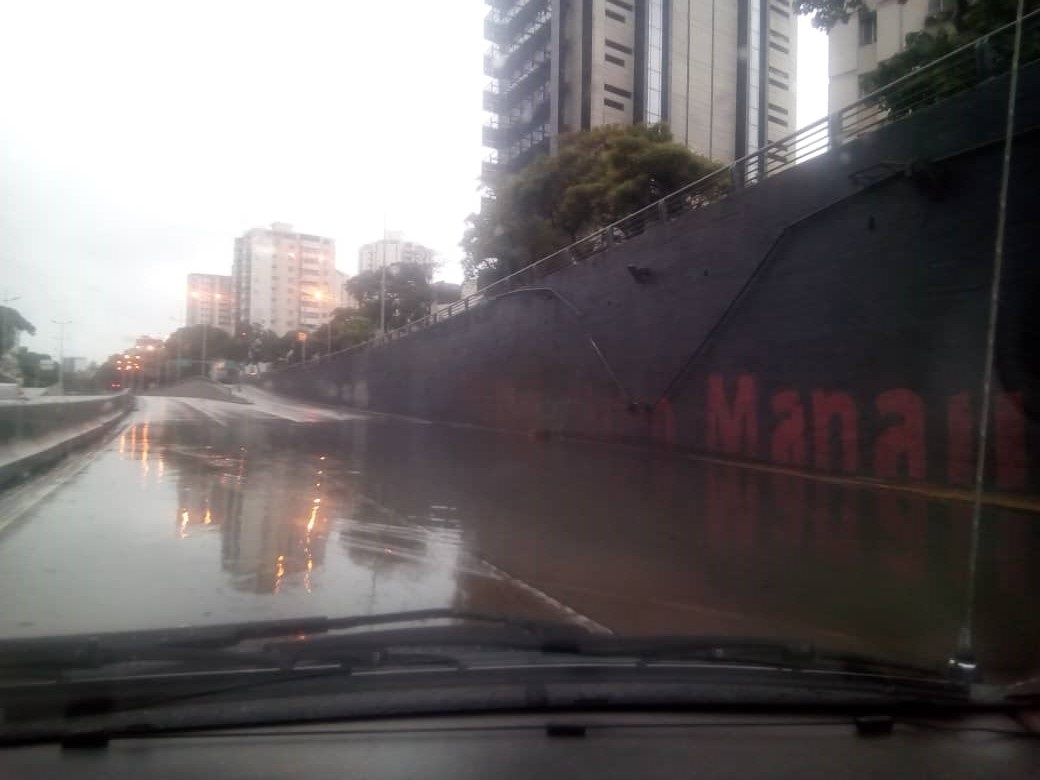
199, 643
758, 651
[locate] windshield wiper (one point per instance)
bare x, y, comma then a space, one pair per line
470, 648
313, 643
206, 644
758, 651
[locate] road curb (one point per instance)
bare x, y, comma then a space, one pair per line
45, 458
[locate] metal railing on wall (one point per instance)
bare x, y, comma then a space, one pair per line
953, 73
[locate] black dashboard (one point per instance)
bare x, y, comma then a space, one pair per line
593, 745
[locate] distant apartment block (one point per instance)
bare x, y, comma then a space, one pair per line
872, 35
209, 301
394, 250
71, 365
285, 280
720, 73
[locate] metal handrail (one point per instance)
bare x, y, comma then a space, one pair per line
865, 115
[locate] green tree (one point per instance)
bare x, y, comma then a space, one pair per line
408, 294
595, 178
446, 292
188, 344
828, 13
349, 328
254, 344
37, 369
945, 33
11, 324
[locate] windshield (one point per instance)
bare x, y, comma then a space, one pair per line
650, 319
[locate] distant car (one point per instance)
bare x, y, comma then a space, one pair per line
116, 386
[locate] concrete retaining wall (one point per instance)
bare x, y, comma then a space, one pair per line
830, 318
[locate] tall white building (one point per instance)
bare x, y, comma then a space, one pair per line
394, 250
209, 301
284, 280
872, 35
720, 73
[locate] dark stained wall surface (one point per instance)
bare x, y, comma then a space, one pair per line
831, 318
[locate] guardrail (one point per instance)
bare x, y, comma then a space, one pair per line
955, 72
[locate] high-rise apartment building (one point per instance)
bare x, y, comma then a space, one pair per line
872, 35
209, 301
284, 280
393, 250
720, 73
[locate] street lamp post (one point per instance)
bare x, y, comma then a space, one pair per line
205, 328
382, 289
179, 347
61, 353
215, 297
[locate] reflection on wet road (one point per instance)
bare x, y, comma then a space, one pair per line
206, 512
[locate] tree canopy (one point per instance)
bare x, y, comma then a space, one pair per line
348, 329
595, 178
827, 13
945, 33
36, 368
408, 294
12, 323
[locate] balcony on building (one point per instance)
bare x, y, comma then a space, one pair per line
524, 46
534, 74
491, 97
489, 168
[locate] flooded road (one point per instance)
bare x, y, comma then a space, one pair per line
208, 512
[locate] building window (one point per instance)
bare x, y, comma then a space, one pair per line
617, 46
779, 48
867, 28
654, 111
615, 16
621, 4
613, 104
617, 91
615, 60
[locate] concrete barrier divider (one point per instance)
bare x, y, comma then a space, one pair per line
37, 433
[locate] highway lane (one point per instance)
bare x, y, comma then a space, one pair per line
201, 511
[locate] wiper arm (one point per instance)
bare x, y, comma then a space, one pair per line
758, 651
191, 643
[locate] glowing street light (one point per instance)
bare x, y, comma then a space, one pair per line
319, 296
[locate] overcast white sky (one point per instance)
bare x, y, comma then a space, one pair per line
137, 139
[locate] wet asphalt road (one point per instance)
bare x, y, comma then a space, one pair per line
208, 512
